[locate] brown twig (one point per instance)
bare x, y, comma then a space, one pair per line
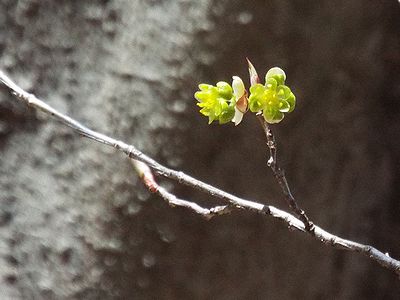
321, 235
280, 176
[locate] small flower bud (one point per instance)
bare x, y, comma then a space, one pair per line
254, 79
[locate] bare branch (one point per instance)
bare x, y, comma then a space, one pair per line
321, 235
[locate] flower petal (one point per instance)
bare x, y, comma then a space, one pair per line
257, 89
277, 73
292, 101
227, 114
258, 97
283, 92
283, 106
224, 90
204, 86
272, 115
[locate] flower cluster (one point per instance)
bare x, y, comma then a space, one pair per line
226, 103
274, 98
222, 102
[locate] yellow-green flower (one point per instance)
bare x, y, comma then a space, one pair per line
220, 102
274, 98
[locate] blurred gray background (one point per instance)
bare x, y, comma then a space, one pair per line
75, 222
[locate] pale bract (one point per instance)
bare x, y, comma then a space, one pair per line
238, 92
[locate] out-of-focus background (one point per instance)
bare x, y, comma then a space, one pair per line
75, 222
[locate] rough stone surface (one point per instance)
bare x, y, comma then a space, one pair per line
76, 223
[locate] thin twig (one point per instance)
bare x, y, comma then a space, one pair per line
321, 235
207, 213
280, 176
146, 175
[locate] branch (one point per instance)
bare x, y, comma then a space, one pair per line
280, 176
144, 172
294, 223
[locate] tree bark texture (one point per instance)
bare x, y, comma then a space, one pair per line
75, 222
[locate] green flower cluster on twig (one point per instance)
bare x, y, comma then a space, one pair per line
274, 98
223, 101
226, 103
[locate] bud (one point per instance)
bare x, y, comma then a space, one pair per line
254, 79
